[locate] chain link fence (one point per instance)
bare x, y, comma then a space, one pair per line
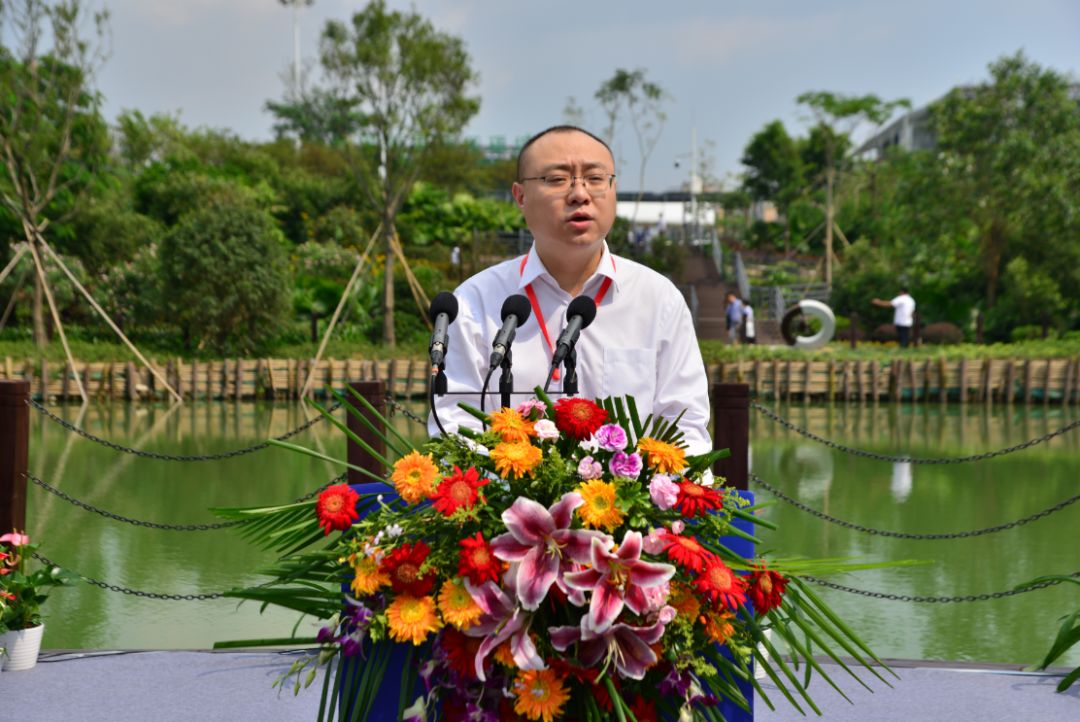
769, 413
934, 600
175, 457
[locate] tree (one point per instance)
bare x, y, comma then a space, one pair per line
407, 86
1011, 148
225, 273
837, 116
52, 137
629, 93
774, 167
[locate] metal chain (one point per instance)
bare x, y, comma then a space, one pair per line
135, 592
935, 600
174, 457
400, 408
905, 535
154, 525
909, 459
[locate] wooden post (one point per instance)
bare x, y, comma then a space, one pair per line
979, 328
14, 453
854, 329
963, 380
375, 393
132, 381
731, 430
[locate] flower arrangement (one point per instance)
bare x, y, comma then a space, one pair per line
570, 562
22, 593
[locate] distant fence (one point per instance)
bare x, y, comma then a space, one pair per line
225, 379
987, 380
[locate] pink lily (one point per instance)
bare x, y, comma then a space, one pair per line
542, 545
617, 579
502, 620
15, 539
620, 644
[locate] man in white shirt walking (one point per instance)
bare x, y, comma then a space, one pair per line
642, 341
903, 314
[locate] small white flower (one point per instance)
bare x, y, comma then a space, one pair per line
545, 430
590, 445
393, 531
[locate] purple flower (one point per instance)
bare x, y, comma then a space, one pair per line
663, 491
588, 468
617, 579
503, 619
542, 544
611, 437
623, 464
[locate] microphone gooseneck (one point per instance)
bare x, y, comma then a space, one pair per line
515, 312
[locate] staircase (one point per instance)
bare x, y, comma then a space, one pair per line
700, 281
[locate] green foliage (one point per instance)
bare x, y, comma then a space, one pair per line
774, 166
22, 592
225, 270
431, 215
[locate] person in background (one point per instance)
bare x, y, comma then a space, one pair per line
903, 314
749, 332
733, 314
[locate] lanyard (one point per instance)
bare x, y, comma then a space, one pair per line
604, 286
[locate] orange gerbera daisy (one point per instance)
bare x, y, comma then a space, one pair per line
412, 619
518, 459
540, 694
504, 656
662, 456
367, 576
599, 510
414, 477
457, 605
684, 601
718, 626
510, 425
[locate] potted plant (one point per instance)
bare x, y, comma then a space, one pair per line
22, 593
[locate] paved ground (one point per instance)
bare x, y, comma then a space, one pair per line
235, 686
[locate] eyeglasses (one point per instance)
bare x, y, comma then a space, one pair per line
594, 183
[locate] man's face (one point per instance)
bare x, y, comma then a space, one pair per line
574, 217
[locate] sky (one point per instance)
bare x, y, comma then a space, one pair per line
728, 67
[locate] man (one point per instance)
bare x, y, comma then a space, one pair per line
642, 341
750, 333
733, 313
903, 314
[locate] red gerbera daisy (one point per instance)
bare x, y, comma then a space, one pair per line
458, 490
686, 551
644, 710
578, 418
336, 508
403, 567
461, 652
720, 584
477, 562
766, 589
695, 499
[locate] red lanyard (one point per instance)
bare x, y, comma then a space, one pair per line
540, 314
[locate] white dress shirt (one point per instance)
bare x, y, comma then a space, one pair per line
641, 344
903, 310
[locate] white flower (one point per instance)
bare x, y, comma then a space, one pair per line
590, 445
545, 430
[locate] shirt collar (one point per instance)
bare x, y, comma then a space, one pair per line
534, 268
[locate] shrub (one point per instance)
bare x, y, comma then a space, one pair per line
885, 332
1030, 332
943, 333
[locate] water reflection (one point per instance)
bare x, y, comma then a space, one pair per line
901, 481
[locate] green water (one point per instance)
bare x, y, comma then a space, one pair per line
927, 499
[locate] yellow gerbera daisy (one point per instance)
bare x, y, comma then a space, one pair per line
540, 694
367, 578
662, 456
457, 605
599, 510
414, 477
519, 458
718, 626
411, 619
686, 604
510, 425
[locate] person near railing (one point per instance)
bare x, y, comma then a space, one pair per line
733, 315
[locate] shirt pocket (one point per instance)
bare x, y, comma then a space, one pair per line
631, 372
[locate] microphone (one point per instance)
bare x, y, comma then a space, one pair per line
515, 312
579, 314
443, 311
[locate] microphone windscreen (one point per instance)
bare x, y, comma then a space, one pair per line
582, 306
517, 305
444, 302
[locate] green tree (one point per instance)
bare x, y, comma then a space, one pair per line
52, 137
407, 86
630, 94
1011, 149
774, 166
225, 273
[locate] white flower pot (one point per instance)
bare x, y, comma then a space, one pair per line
22, 647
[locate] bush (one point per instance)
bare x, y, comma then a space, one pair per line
1030, 332
885, 332
225, 274
943, 333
